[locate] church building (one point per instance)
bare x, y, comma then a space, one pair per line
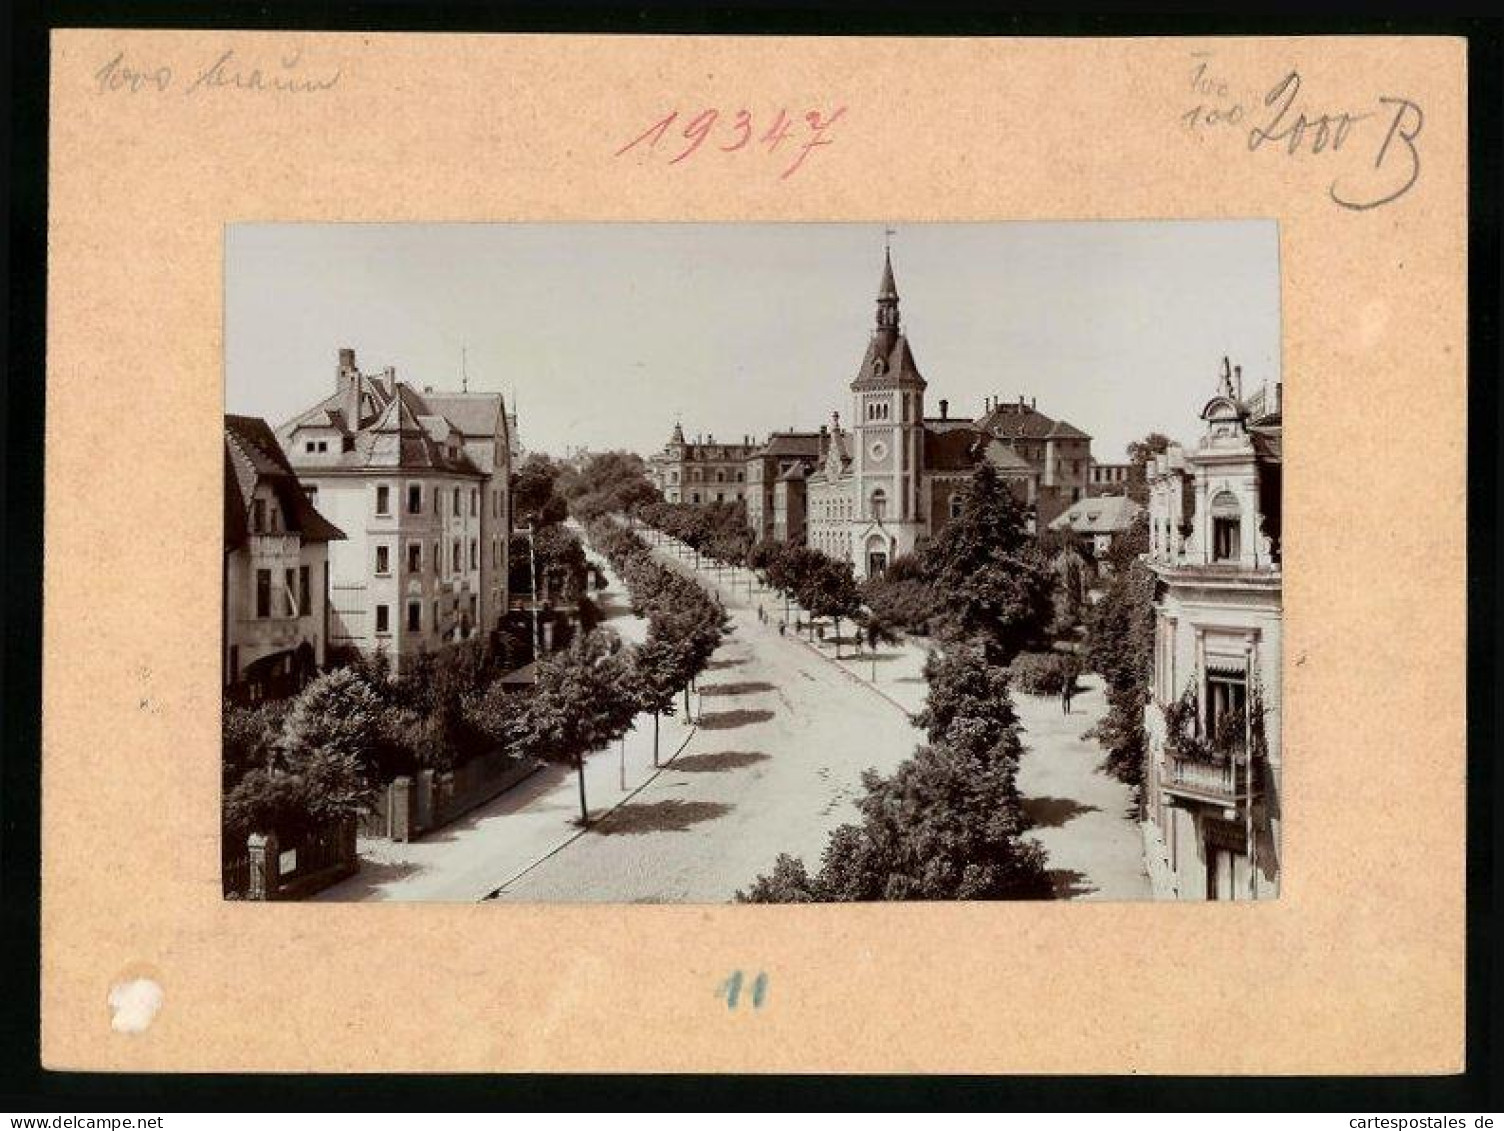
895, 477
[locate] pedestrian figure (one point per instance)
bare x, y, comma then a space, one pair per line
1067, 686
783, 626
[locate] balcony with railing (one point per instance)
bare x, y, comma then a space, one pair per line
1222, 781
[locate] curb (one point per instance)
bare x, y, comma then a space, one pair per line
556, 849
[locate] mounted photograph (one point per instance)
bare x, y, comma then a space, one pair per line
752, 563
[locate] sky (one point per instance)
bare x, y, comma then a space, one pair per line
605, 334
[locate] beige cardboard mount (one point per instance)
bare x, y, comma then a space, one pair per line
160, 139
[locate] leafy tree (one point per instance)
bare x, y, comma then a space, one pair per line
535, 499
969, 705
1139, 452
832, 592
659, 667
908, 603
250, 738
1120, 647
992, 583
580, 704
945, 826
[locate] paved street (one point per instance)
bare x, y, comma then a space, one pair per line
773, 767
784, 734
1084, 818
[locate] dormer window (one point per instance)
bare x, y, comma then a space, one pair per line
1227, 528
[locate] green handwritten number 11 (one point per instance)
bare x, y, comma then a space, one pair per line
731, 990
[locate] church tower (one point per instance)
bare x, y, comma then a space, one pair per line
888, 437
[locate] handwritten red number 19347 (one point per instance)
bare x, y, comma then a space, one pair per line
737, 131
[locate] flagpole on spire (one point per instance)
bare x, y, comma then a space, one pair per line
464, 372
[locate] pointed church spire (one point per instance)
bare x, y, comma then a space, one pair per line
887, 294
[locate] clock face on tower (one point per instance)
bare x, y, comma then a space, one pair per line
877, 449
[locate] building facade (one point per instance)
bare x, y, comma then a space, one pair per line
700, 472
897, 477
1097, 520
276, 569
419, 482
1112, 478
769, 471
1213, 765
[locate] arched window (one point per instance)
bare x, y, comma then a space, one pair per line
879, 503
1227, 523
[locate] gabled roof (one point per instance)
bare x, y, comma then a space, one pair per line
1011, 421
252, 456
1064, 431
790, 444
476, 415
1107, 514
793, 473
402, 428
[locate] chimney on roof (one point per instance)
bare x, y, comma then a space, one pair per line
1033, 402
944, 408
1237, 374
347, 385
1020, 400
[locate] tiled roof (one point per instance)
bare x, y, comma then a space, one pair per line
402, 428
1003, 457
898, 362
949, 449
1108, 514
252, 455
474, 414
1021, 422
1065, 431
803, 444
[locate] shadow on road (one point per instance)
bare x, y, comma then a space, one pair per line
730, 720
373, 875
714, 763
1052, 812
1069, 883
722, 665
745, 688
660, 817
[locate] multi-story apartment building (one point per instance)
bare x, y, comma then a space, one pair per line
1112, 478
276, 571
768, 469
1213, 773
419, 482
702, 471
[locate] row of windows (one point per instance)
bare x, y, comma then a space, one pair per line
296, 598
415, 556
415, 500
414, 616
694, 476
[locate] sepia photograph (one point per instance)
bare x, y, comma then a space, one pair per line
752, 563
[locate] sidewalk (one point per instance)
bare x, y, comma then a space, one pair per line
467, 860
1083, 817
